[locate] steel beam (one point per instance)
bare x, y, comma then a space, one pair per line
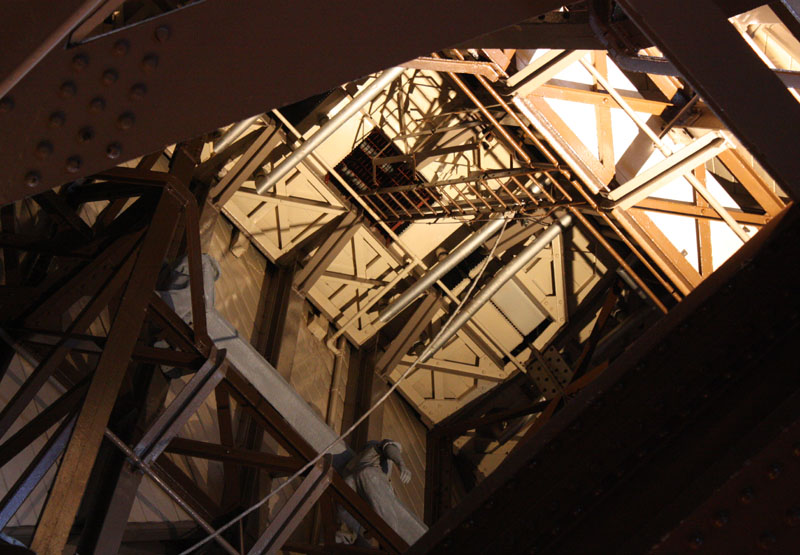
295, 509
724, 76
409, 334
659, 431
699, 211
275, 464
336, 241
36, 470
145, 73
70, 481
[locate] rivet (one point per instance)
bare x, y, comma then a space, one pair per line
126, 121
774, 470
97, 104
721, 518
73, 164
113, 150
57, 119
746, 495
32, 179
67, 89
79, 62
44, 149
162, 33
121, 47
793, 516
766, 540
149, 63
137, 91
695, 541
110, 77
6, 104
85, 134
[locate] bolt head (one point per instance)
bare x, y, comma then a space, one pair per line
149, 63
138, 91
44, 149
85, 134
113, 151
721, 518
126, 121
79, 62
110, 77
97, 104
774, 470
121, 47
162, 33
73, 164
56, 119
32, 179
68, 89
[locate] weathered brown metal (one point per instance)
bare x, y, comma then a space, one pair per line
33, 474
275, 464
485, 69
698, 406
164, 486
47, 366
722, 84
699, 211
266, 416
295, 509
42, 422
155, 58
65, 495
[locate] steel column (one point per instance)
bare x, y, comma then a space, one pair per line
67, 490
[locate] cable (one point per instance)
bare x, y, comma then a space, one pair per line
358, 422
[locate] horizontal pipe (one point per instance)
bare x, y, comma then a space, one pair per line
233, 133
688, 164
374, 89
434, 274
489, 290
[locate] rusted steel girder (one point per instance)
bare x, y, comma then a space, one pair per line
730, 77
671, 420
87, 107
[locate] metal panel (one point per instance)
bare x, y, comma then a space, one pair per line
152, 91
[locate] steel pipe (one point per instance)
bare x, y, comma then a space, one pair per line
434, 274
502, 277
233, 133
369, 93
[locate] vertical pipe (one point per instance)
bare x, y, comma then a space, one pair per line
373, 90
502, 277
434, 274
